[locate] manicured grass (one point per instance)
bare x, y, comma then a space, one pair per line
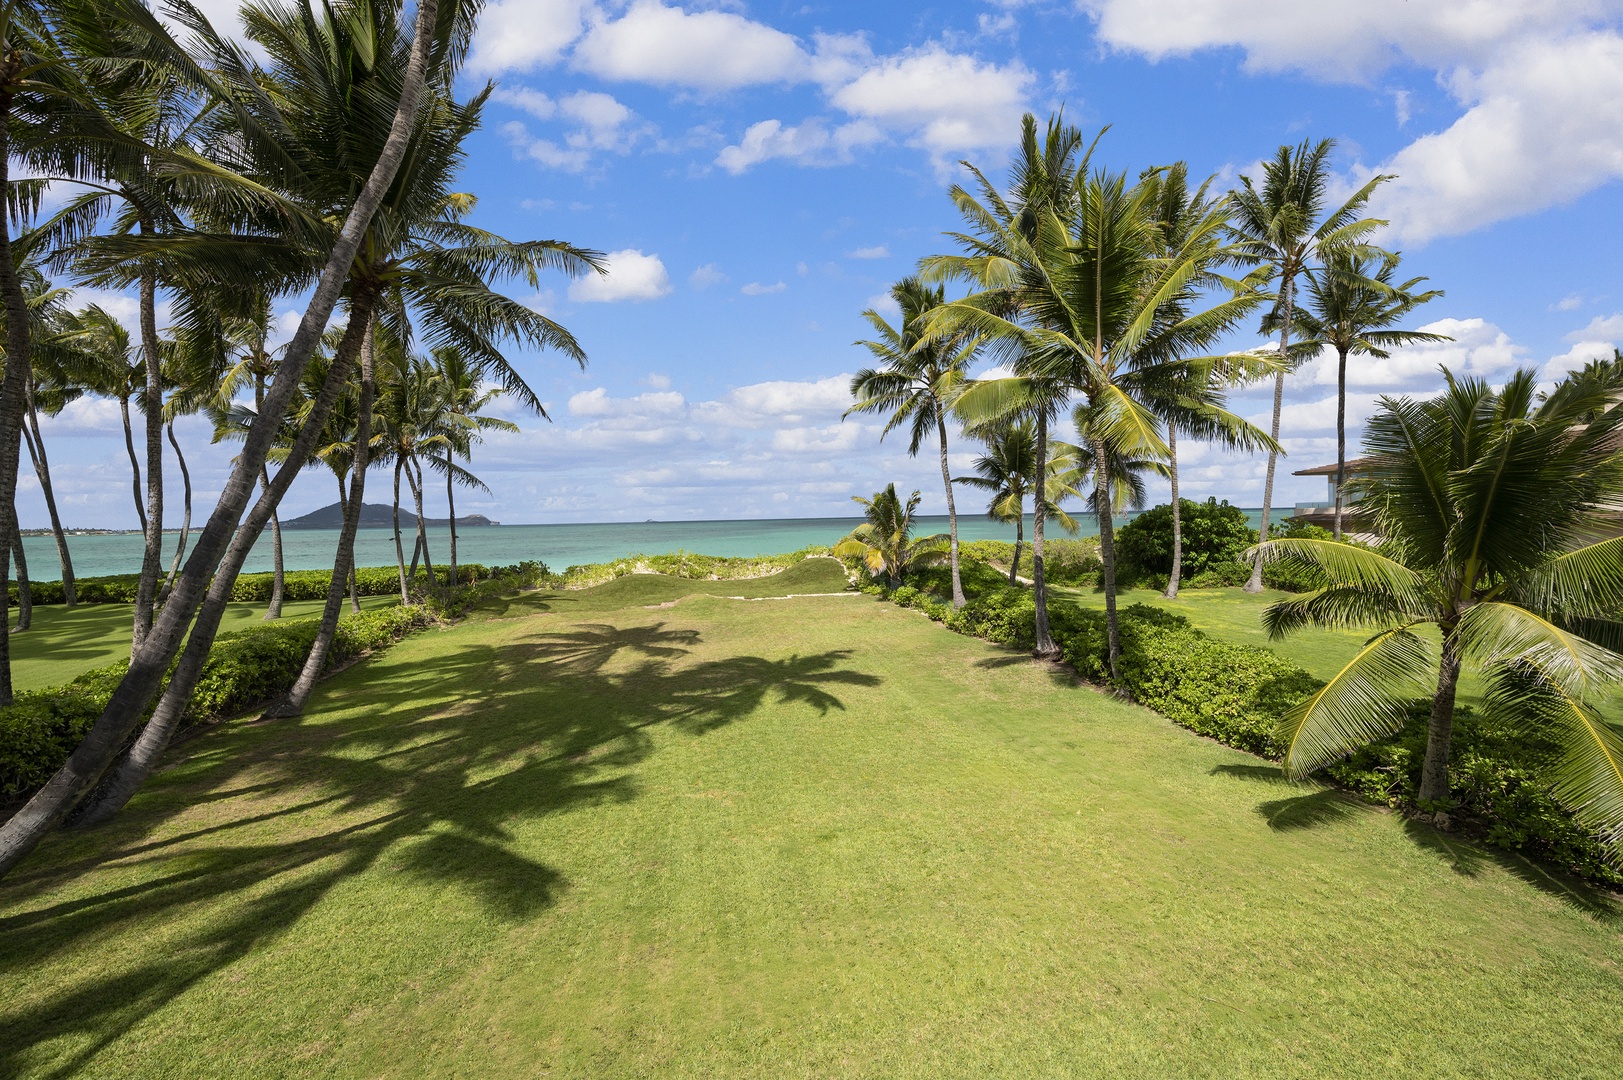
64, 643
802, 838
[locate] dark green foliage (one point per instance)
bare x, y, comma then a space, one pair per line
252, 588
1213, 532
245, 668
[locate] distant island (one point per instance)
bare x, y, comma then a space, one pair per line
376, 516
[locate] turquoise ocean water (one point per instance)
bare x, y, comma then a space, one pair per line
558, 546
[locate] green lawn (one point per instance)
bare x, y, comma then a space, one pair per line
807, 837
64, 643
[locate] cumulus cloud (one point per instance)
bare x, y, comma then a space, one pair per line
811, 142
947, 102
598, 123
1540, 83
631, 275
520, 35
708, 50
1600, 328
1478, 348
705, 276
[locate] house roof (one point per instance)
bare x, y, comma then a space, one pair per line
1330, 469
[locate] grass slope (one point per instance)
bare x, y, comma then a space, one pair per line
66, 642
805, 838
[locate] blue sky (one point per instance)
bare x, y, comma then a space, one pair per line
760, 173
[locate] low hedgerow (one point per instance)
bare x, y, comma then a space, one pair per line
1237, 694
250, 588
245, 668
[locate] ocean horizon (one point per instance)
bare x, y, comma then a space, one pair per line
559, 546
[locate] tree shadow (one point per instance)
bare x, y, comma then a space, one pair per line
1313, 807
429, 766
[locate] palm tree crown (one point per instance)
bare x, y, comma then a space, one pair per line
885, 542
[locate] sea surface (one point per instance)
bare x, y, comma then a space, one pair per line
559, 546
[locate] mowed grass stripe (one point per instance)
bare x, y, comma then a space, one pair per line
800, 838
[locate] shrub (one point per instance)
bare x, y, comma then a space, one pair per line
245, 668
685, 564
1212, 532
251, 588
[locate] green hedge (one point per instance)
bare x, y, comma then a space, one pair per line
685, 564
246, 668
1236, 695
249, 588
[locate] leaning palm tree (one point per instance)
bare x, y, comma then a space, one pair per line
918, 382
1495, 508
1282, 226
1351, 310
885, 542
1087, 299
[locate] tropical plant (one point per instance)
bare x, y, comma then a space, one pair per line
1282, 226
110, 365
1352, 303
918, 382
885, 542
1495, 508
403, 73
1007, 471
465, 401
1089, 301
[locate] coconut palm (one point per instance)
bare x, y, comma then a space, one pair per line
1492, 505
1283, 227
412, 408
1352, 303
466, 398
112, 367
1007, 471
885, 542
918, 382
1090, 299
402, 70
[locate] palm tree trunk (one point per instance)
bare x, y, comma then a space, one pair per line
152, 553
222, 540
142, 757
18, 368
343, 507
298, 696
399, 552
1045, 647
416, 545
952, 516
1019, 535
1177, 519
1341, 435
450, 506
274, 611
1254, 585
42, 469
414, 478
185, 518
1107, 559
25, 596
1440, 730
135, 463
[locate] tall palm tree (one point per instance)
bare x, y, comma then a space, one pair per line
1492, 505
1282, 226
412, 410
430, 44
1088, 297
917, 383
1042, 189
885, 541
466, 398
1008, 472
112, 367
1352, 303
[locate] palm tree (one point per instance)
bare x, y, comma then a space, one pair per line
1042, 188
1351, 310
1282, 226
412, 408
885, 542
1490, 504
1091, 300
465, 400
220, 539
112, 367
917, 383
1008, 472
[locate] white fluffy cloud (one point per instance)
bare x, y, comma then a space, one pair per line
757, 288
1540, 83
598, 122
519, 35
709, 50
811, 142
1478, 348
631, 275
946, 102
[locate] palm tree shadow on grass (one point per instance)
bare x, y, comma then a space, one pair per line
1329, 806
420, 781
